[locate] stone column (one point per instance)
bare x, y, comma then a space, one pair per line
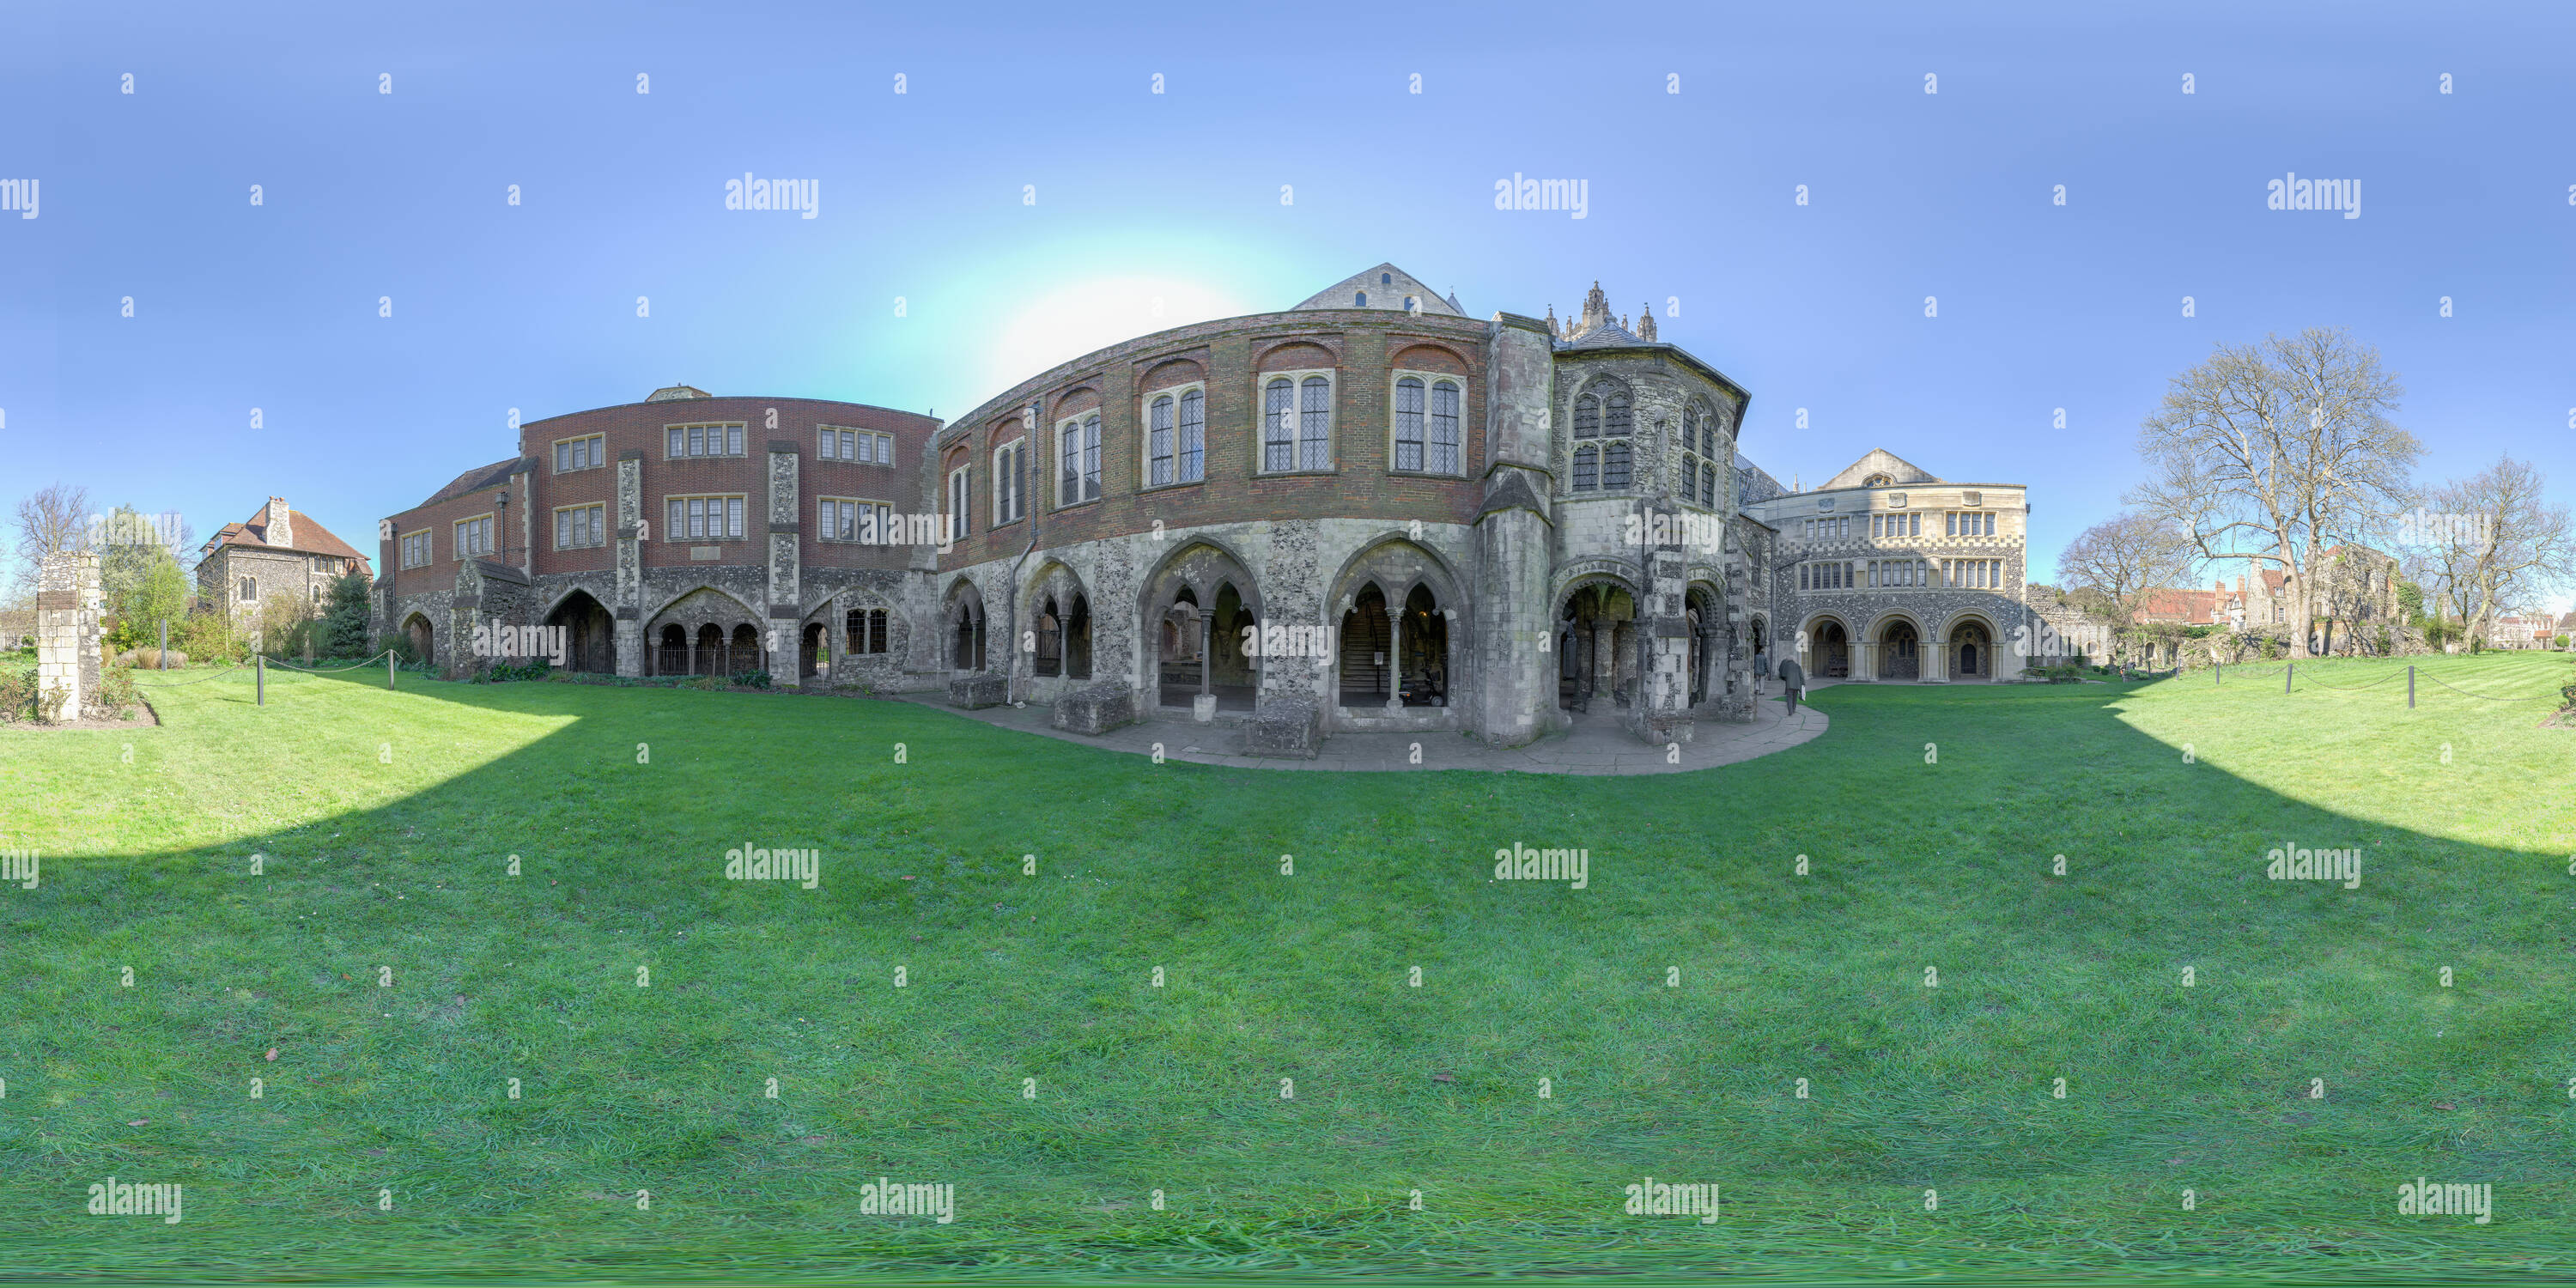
785, 560
629, 589
1207, 652
1513, 679
1394, 662
67, 635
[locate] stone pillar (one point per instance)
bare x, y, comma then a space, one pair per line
1207, 652
67, 635
785, 560
1605, 660
1394, 662
629, 590
1936, 661
1513, 677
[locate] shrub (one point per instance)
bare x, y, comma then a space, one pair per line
503, 672
405, 651
17, 693
116, 692
752, 679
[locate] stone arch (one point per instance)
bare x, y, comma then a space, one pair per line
1397, 607
1190, 612
1899, 645
599, 593
1830, 646
694, 612
1593, 632
732, 602
423, 636
1971, 645
590, 631
1057, 607
962, 612
1712, 638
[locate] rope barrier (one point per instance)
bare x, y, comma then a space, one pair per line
328, 670
181, 684
2356, 688
2466, 694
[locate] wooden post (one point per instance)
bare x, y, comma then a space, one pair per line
163, 662
389, 668
259, 678
2410, 686
2288, 669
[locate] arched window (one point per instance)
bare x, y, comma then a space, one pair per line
1360, 298
1408, 424
1444, 427
1279, 425
1606, 416
1315, 437
1079, 478
1158, 442
1193, 436
1587, 468
1693, 462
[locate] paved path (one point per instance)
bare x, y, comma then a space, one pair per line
1595, 745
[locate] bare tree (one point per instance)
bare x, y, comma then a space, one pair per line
49, 521
2122, 561
2491, 540
2275, 452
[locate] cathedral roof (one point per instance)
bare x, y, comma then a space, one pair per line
1383, 287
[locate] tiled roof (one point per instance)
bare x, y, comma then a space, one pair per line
310, 537
492, 475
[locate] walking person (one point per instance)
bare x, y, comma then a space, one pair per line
1793, 677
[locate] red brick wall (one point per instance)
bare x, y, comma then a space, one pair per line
1361, 348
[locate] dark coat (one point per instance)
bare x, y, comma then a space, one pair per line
1792, 674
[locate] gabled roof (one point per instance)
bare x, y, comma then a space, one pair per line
481, 476
1383, 287
1899, 471
310, 537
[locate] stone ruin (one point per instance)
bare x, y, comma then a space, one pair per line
67, 636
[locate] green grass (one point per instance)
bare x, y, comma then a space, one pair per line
387, 820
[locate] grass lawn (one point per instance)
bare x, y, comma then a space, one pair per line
1672, 1008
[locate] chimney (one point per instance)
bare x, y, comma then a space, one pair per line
278, 523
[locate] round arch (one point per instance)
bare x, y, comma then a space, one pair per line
1971, 646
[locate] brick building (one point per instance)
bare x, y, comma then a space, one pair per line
1367, 511
278, 551
682, 535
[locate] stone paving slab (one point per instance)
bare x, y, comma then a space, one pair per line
1596, 745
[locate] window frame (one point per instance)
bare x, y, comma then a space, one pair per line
961, 494
1429, 420
737, 432
457, 538
428, 549
1089, 474
1179, 394
598, 454
581, 507
676, 533
1010, 501
1297, 378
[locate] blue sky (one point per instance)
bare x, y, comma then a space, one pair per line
368, 195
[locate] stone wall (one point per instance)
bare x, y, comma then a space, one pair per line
67, 636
